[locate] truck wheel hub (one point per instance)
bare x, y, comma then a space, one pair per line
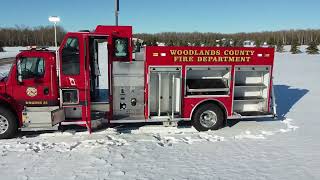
208, 119
4, 124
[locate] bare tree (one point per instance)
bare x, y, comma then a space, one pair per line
25, 36
287, 37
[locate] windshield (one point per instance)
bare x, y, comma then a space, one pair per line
4, 71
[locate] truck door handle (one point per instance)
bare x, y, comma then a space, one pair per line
46, 91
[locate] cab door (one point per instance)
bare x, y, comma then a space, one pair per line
74, 79
36, 83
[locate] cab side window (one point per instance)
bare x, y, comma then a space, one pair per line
31, 67
71, 57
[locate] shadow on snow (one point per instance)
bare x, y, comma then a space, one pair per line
286, 98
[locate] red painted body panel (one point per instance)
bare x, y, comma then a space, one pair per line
14, 93
206, 56
189, 104
168, 59
49, 80
82, 80
116, 31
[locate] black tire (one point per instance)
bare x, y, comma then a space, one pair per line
196, 118
12, 123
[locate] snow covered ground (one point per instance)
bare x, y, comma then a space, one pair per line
256, 149
10, 52
4, 70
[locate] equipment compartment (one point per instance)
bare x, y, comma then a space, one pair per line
251, 90
208, 81
165, 92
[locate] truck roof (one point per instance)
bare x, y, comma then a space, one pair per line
37, 52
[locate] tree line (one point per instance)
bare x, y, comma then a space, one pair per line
44, 36
285, 37
25, 36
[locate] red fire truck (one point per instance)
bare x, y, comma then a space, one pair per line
96, 77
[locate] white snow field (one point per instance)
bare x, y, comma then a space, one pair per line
4, 70
10, 52
285, 149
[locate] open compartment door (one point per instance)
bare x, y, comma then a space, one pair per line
165, 92
74, 80
251, 91
98, 61
57, 116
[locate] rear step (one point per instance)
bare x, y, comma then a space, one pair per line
252, 114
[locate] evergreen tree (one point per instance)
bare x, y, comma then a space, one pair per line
313, 48
181, 42
271, 42
238, 43
148, 43
258, 43
170, 43
197, 43
295, 47
212, 43
154, 42
279, 47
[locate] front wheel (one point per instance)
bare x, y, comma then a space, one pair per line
8, 124
208, 117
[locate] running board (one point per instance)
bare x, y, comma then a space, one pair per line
251, 117
66, 123
54, 128
152, 119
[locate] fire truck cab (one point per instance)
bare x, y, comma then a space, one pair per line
95, 78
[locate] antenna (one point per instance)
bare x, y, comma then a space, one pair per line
117, 12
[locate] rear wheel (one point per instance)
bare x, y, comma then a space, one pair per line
208, 117
8, 124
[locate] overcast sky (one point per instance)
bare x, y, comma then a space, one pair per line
226, 16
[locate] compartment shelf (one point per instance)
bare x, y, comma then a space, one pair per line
258, 85
207, 85
251, 89
254, 113
209, 90
249, 98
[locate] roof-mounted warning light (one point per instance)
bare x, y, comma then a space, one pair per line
38, 48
